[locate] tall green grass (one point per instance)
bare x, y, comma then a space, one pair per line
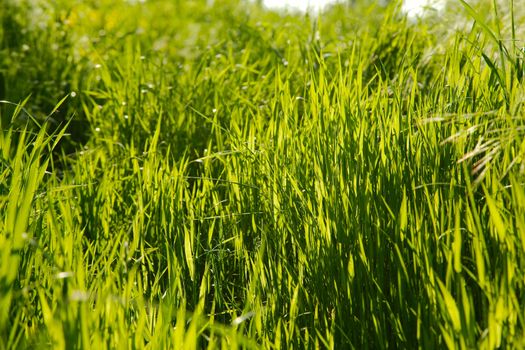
222, 176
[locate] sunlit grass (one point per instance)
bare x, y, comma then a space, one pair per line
192, 175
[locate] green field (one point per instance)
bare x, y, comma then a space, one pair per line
195, 174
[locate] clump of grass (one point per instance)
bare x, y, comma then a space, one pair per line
239, 178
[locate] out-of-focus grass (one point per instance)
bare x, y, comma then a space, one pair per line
222, 176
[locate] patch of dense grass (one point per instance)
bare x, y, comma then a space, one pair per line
222, 176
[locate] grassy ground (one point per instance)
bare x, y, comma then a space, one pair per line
176, 174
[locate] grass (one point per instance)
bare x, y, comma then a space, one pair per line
176, 174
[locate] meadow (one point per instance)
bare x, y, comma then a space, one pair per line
196, 174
